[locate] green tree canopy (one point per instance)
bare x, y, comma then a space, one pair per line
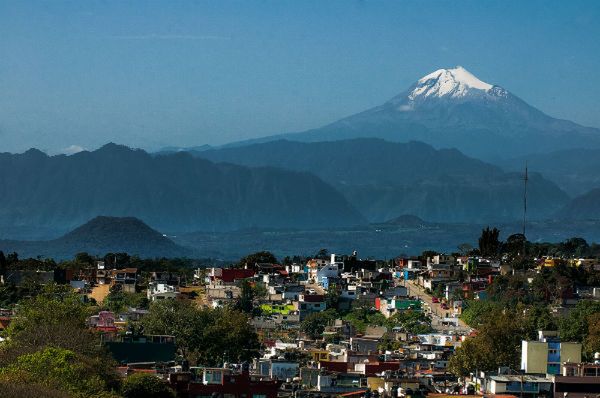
141, 385
314, 324
55, 317
489, 243
58, 369
258, 257
206, 336
496, 344
575, 326
591, 343
413, 322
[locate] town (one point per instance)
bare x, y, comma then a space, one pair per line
503, 319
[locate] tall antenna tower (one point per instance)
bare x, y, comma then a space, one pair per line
525, 179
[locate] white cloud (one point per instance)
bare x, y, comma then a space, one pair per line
72, 149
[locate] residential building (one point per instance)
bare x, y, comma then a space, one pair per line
545, 355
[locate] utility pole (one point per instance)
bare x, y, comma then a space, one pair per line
525, 179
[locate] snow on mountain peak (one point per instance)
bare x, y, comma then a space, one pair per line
456, 82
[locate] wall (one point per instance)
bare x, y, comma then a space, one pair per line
534, 356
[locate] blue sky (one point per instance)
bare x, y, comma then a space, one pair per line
151, 74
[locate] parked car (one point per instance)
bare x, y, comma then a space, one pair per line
435, 300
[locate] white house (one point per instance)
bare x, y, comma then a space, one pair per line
161, 291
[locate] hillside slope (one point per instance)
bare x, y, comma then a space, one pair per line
583, 207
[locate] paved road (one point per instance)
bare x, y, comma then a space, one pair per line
437, 312
317, 288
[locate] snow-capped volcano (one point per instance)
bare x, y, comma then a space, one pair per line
456, 85
454, 108
456, 82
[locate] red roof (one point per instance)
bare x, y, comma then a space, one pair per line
333, 366
314, 298
231, 274
377, 367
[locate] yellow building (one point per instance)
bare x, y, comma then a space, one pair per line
319, 355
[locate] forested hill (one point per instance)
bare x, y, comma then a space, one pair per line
100, 236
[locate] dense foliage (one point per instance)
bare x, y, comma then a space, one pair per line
205, 336
496, 344
50, 345
141, 385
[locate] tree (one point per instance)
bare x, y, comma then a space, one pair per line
3, 263
314, 324
466, 358
465, 249
178, 318
575, 326
322, 254
332, 298
496, 344
245, 302
58, 369
476, 312
142, 385
539, 318
12, 258
362, 316
55, 317
117, 259
428, 254
574, 247
258, 257
117, 300
489, 244
591, 343
84, 258
413, 322
206, 336
34, 389
514, 247
230, 337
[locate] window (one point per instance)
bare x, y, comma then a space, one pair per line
589, 372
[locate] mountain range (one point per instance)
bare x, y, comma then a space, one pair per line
573, 170
451, 108
384, 179
175, 192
